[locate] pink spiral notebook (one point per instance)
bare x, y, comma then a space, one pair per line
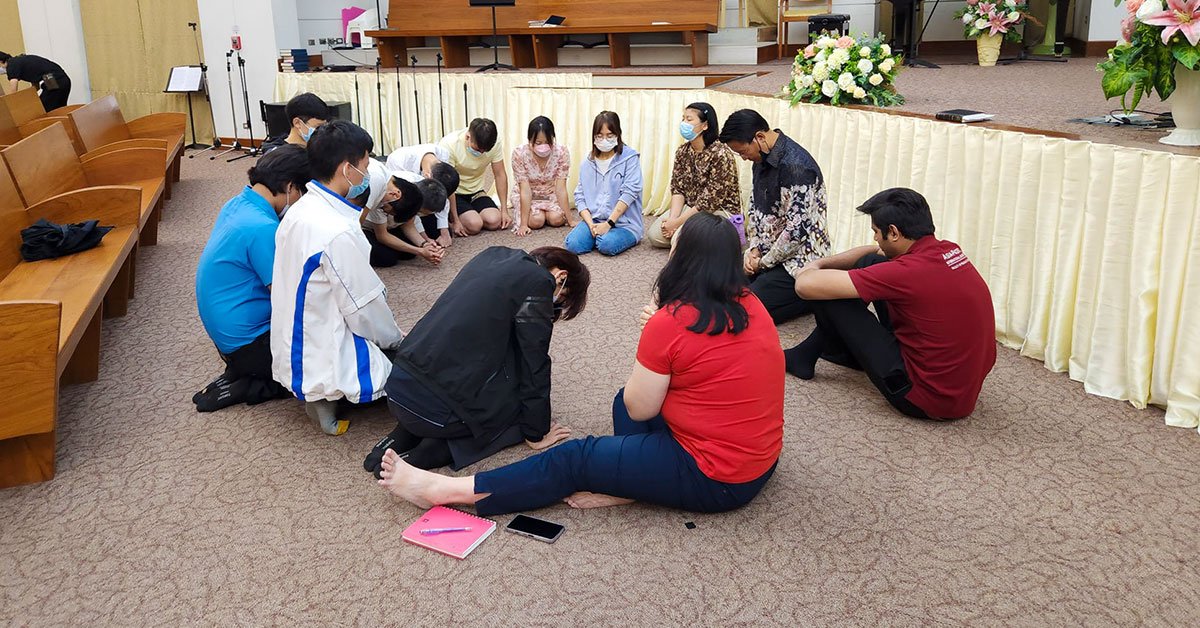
457, 544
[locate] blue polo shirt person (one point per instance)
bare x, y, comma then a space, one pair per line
233, 280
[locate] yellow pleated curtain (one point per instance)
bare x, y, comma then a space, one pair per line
131, 46
11, 39
1092, 251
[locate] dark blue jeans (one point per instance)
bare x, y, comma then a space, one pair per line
642, 461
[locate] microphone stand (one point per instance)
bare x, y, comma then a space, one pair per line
251, 150
357, 102
441, 108
237, 144
379, 99
416, 100
466, 121
216, 143
399, 105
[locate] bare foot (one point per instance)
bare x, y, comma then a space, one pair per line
584, 499
405, 481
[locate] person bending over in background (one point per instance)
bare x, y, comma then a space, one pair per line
540, 169
44, 74
472, 151
786, 220
432, 162
233, 281
609, 193
330, 321
391, 218
306, 113
704, 176
698, 426
473, 375
932, 339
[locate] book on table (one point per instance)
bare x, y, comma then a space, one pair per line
449, 531
963, 115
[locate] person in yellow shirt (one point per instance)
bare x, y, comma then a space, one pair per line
472, 150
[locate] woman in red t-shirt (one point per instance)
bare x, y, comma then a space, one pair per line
698, 426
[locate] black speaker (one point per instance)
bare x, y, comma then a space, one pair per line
275, 116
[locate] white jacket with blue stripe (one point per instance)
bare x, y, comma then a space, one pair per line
329, 314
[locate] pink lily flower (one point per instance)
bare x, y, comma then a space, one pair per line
987, 7
1181, 16
999, 27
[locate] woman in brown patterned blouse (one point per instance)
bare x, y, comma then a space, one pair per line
703, 179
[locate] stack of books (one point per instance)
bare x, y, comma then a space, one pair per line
294, 60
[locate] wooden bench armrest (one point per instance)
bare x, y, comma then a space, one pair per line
113, 205
141, 142
64, 110
164, 125
29, 359
125, 165
33, 126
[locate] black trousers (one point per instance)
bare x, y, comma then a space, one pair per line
423, 414
776, 288
384, 256
854, 337
55, 98
252, 363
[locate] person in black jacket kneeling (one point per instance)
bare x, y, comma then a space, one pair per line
473, 375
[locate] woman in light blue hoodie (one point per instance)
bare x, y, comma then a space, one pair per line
609, 194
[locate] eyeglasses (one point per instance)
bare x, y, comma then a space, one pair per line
609, 136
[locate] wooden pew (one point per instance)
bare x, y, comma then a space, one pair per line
100, 125
43, 165
456, 24
25, 106
50, 313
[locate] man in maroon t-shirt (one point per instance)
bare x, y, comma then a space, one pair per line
934, 340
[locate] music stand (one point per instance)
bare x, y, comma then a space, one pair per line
187, 79
495, 64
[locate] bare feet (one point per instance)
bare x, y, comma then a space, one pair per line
584, 499
405, 481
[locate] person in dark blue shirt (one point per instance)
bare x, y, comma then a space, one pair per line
233, 280
43, 73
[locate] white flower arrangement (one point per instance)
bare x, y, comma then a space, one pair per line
843, 70
993, 17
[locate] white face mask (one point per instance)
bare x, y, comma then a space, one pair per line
606, 144
287, 203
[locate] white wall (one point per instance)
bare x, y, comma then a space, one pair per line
1105, 20
323, 18
287, 24
256, 23
53, 29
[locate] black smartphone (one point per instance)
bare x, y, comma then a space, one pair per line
540, 529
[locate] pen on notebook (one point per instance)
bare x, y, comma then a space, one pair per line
429, 531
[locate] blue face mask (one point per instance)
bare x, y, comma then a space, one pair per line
357, 190
687, 131
474, 153
306, 133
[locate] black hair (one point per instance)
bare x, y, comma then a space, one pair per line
613, 122
707, 115
409, 203
902, 207
541, 124
483, 133
306, 106
334, 143
445, 174
579, 278
705, 272
284, 165
742, 125
4, 57
433, 195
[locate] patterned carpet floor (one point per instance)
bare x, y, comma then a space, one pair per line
1046, 507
